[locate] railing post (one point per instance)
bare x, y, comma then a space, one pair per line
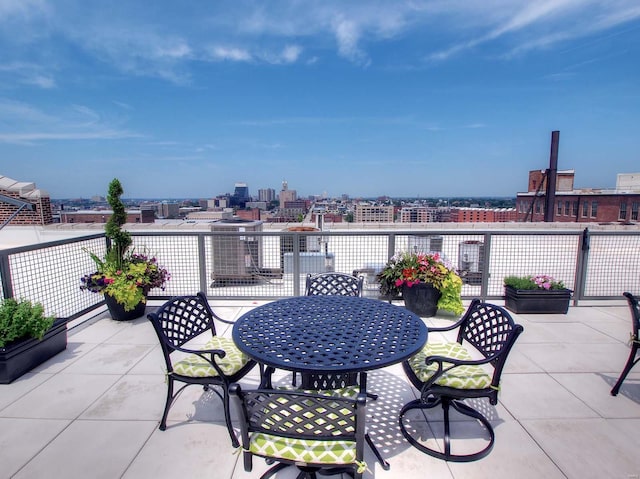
202, 264
296, 264
580, 280
5, 274
484, 286
392, 246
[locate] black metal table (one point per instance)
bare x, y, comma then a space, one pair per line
330, 334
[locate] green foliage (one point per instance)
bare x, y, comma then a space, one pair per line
540, 281
21, 319
120, 239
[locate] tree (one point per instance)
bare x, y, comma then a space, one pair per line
120, 239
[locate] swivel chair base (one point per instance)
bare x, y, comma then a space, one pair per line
462, 408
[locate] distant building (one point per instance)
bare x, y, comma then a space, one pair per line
365, 213
251, 214
169, 210
287, 195
419, 214
483, 215
619, 205
23, 203
267, 195
102, 216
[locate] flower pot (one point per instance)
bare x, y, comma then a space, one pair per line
537, 301
421, 299
21, 356
117, 310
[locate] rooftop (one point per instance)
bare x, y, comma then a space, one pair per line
94, 409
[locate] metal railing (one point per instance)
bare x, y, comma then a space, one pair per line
597, 265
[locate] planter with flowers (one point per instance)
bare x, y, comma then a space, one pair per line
125, 277
539, 294
426, 281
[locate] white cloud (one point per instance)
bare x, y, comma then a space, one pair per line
231, 54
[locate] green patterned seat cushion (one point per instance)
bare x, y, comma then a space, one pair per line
303, 450
196, 367
461, 377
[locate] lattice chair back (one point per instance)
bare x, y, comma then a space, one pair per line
334, 284
634, 340
491, 330
183, 318
311, 431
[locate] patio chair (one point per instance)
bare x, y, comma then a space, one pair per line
333, 284
634, 341
445, 373
217, 363
312, 431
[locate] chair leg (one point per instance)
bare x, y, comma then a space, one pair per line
227, 417
630, 363
167, 404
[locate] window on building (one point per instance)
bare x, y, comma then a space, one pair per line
585, 209
575, 209
559, 209
623, 211
566, 208
537, 207
594, 209
634, 211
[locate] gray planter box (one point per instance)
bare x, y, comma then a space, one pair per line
22, 356
525, 301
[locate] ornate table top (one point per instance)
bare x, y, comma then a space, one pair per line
329, 334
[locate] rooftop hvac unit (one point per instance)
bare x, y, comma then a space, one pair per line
471, 261
305, 243
236, 257
425, 243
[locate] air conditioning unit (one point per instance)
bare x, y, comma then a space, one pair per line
425, 243
236, 257
471, 261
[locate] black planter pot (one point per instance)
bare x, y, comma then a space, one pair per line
119, 314
421, 299
524, 301
22, 356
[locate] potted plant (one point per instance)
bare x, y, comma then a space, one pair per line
536, 294
124, 276
28, 337
426, 281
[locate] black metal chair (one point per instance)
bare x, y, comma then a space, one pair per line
333, 284
446, 373
634, 341
312, 431
218, 363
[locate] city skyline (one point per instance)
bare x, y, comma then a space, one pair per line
398, 99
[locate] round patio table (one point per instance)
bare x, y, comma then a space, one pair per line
329, 334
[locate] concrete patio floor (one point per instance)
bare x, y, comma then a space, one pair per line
93, 410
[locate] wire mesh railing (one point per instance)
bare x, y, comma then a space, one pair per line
269, 265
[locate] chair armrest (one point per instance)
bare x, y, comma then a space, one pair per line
451, 327
454, 363
206, 354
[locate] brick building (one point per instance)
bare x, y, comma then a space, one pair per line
364, 213
33, 206
102, 216
483, 215
619, 205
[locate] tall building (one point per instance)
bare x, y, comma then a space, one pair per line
240, 195
267, 195
287, 195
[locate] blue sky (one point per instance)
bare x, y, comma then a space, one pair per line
369, 98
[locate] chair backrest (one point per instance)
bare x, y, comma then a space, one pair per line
181, 319
634, 306
295, 414
334, 284
491, 330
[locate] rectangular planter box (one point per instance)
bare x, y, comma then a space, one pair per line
522, 301
22, 356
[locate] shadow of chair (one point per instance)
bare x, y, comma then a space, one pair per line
218, 363
446, 373
333, 284
314, 432
634, 341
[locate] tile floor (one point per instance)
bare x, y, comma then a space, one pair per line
93, 410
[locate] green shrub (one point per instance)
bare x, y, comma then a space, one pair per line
21, 319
